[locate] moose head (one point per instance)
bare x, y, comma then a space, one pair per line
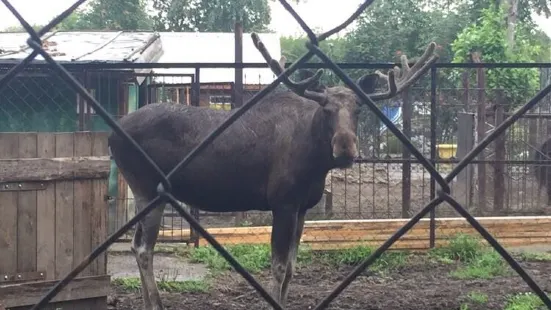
340, 105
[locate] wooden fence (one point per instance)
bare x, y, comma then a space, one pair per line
53, 214
339, 234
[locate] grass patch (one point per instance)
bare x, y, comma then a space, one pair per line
478, 297
524, 301
356, 255
462, 247
255, 258
133, 284
474, 298
535, 256
478, 261
488, 265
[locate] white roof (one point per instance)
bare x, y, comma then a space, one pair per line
212, 47
162, 47
80, 46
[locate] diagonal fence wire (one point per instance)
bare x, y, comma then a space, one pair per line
164, 187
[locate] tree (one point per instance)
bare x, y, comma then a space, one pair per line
294, 47
109, 15
211, 15
489, 36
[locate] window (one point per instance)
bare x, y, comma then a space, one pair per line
88, 108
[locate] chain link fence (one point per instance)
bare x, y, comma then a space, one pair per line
440, 190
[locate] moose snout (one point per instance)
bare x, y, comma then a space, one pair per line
345, 148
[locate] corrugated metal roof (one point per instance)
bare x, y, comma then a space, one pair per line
210, 47
80, 46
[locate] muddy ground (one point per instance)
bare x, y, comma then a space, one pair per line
421, 285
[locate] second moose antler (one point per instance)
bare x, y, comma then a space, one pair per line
398, 80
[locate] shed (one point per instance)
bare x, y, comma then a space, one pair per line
38, 99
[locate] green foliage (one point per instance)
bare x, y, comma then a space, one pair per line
109, 15
389, 29
191, 286
462, 247
537, 257
478, 297
294, 47
211, 15
356, 255
524, 301
254, 258
488, 36
477, 260
487, 265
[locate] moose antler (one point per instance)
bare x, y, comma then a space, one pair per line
300, 88
398, 80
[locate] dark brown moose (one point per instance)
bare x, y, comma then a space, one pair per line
274, 158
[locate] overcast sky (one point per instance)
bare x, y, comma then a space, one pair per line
322, 14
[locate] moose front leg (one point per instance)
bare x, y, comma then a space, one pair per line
284, 228
293, 256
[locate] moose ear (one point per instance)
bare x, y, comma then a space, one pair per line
368, 82
304, 74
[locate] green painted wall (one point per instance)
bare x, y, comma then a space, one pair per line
49, 104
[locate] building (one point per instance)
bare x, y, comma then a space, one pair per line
40, 100
216, 83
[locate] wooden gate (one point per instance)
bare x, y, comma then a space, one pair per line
53, 213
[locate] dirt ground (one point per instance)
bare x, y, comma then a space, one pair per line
421, 285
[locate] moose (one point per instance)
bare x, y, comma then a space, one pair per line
275, 157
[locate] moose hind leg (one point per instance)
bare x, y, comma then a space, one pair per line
283, 235
143, 243
293, 256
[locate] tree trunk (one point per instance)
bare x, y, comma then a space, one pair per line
511, 22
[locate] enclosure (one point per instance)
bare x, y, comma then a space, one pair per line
385, 182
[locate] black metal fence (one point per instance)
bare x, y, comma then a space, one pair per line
440, 190
385, 182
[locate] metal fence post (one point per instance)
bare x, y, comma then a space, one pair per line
433, 121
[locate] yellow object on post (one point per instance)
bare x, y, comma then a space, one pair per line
446, 151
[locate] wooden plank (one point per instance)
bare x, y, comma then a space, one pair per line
9, 148
121, 202
64, 210
54, 169
45, 202
25, 294
99, 206
26, 212
82, 199
510, 231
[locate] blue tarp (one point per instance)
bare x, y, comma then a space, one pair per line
393, 113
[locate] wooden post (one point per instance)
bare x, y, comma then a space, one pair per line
499, 165
465, 82
406, 155
238, 85
481, 131
465, 143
